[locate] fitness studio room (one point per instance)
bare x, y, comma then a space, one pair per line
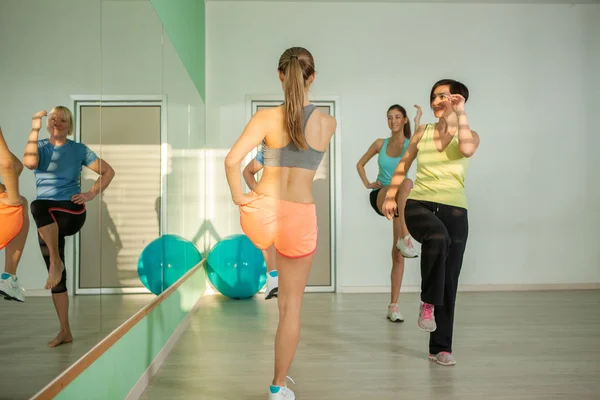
178, 221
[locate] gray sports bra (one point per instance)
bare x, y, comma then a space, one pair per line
290, 155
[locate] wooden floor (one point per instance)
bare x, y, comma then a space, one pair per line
27, 364
520, 345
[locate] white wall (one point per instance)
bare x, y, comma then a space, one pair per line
527, 69
52, 50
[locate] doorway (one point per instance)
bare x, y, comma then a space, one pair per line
323, 276
129, 133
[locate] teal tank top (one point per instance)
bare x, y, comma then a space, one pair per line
387, 165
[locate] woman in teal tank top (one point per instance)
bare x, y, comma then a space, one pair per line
390, 151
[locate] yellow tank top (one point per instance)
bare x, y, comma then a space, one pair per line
440, 175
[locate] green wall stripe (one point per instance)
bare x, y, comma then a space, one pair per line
115, 373
184, 21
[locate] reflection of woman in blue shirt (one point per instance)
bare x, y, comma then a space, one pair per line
389, 151
272, 281
59, 209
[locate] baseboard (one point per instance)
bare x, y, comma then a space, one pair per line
141, 385
481, 288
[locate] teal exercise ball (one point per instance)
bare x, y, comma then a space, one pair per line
165, 260
236, 267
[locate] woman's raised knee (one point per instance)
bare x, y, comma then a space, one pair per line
7, 165
406, 185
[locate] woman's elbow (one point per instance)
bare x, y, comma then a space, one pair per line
108, 173
31, 165
230, 162
467, 152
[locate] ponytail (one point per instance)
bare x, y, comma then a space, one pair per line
297, 65
293, 88
407, 131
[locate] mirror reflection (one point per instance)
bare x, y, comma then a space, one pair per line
101, 158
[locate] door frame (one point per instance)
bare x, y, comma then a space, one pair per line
335, 175
77, 101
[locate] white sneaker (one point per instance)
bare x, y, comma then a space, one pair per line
11, 289
272, 285
406, 247
393, 314
281, 392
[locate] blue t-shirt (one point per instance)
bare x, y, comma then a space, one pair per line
59, 169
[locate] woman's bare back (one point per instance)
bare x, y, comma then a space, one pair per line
292, 183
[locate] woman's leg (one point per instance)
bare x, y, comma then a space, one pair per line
456, 221
425, 226
403, 242
10, 170
60, 296
397, 274
68, 218
14, 250
293, 274
56, 267
53, 219
272, 285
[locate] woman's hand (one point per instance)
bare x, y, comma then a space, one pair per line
247, 198
418, 116
389, 207
458, 103
374, 185
83, 198
36, 120
8, 203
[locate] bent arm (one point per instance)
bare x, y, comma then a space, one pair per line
404, 165
360, 165
468, 140
251, 137
31, 158
252, 169
106, 172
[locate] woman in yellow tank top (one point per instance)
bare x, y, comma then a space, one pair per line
436, 209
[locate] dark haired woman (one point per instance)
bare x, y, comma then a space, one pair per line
436, 209
390, 151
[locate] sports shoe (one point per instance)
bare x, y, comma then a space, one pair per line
406, 247
393, 314
426, 318
272, 285
10, 288
281, 392
443, 358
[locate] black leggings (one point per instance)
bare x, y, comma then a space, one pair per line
442, 231
69, 217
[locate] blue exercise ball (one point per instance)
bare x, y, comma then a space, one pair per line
236, 267
165, 260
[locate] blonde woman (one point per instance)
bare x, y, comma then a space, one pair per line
59, 209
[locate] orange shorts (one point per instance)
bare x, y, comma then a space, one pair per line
291, 227
11, 221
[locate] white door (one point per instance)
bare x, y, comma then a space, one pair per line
124, 219
322, 276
